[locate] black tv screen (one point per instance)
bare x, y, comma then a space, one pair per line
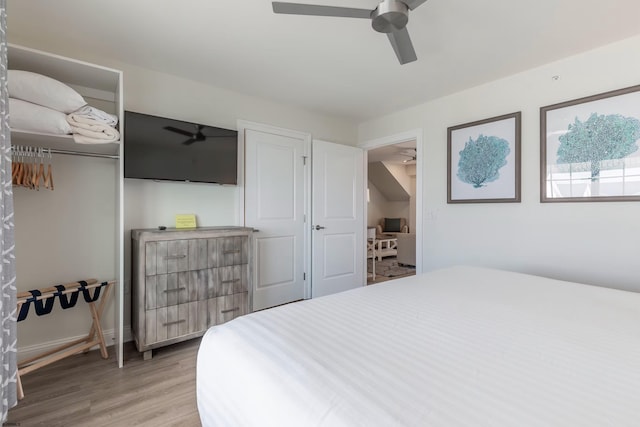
166, 149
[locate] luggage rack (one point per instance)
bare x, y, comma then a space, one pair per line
43, 301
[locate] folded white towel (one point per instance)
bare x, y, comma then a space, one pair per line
79, 138
89, 131
89, 112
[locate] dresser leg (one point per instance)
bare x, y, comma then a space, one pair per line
147, 355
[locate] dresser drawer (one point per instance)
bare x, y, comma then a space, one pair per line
170, 322
233, 279
207, 310
166, 257
198, 252
231, 306
232, 251
204, 284
166, 289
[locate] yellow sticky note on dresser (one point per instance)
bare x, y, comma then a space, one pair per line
185, 221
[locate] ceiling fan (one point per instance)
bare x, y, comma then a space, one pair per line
390, 17
412, 153
193, 137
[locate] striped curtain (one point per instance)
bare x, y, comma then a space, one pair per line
8, 340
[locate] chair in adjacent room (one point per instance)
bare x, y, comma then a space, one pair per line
392, 226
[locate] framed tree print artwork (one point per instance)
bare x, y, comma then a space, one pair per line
483, 161
589, 148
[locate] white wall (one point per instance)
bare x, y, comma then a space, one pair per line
595, 243
377, 205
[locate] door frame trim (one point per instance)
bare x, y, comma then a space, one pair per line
410, 135
242, 126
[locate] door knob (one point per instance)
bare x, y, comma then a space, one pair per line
319, 227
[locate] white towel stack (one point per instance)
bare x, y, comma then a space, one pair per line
93, 126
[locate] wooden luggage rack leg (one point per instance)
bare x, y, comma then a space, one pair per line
93, 338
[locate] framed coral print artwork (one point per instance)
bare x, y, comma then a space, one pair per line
589, 148
484, 161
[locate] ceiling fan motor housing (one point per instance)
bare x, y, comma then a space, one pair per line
390, 16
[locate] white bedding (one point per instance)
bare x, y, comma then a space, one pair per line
456, 347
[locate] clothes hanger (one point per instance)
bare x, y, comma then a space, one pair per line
22, 167
28, 178
48, 180
34, 170
28, 167
40, 175
15, 164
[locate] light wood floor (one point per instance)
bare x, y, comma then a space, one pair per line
86, 390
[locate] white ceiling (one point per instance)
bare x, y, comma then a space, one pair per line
334, 66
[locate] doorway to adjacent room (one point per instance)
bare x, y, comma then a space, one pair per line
394, 190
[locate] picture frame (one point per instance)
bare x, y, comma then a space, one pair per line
590, 148
483, 160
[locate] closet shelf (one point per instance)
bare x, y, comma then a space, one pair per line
61, 142
96, 83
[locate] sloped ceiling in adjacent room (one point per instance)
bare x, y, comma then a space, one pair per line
387, 183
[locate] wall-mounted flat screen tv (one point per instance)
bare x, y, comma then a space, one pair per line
160, 148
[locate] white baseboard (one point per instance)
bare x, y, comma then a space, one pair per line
34, 350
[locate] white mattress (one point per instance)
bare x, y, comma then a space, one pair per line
456, 347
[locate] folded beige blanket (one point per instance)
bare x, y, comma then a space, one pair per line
90, 131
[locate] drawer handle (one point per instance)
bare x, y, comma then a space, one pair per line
175, 256
174, 322
231, 281
235, 251
175, 290
230, 310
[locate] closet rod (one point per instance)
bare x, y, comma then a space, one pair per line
80, 153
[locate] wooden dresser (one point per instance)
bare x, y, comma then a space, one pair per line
185, 281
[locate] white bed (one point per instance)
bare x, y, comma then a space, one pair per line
456, 347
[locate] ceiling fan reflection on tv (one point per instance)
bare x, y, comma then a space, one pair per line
389, 17
193, 137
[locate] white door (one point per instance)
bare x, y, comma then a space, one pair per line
275, 206
338, 243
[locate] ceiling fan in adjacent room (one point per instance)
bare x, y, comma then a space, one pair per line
390, 17
193, 137
411, 153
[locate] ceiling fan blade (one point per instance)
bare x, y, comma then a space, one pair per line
402, 46
177, 130
317, 10
190, 141
412, 4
